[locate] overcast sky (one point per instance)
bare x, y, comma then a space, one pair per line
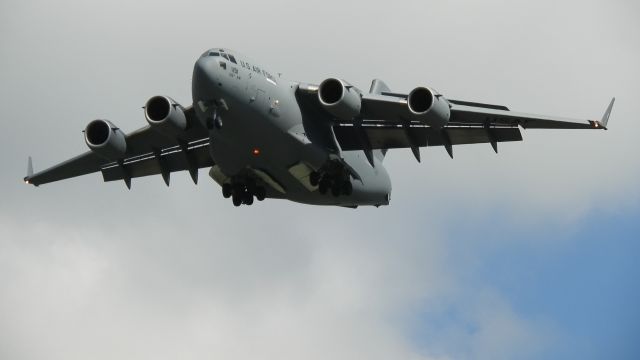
531, 253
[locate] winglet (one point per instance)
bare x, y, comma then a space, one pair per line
605, 117
30, 167
27, 179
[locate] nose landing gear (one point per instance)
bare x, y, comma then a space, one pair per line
215, 121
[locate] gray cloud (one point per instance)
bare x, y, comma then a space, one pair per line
93, 270
81, 291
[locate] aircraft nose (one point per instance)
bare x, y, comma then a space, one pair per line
204, 76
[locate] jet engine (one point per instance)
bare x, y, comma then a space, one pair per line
165, 115
105, 139
428, 108
340, 99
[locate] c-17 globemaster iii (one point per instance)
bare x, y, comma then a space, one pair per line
263, 136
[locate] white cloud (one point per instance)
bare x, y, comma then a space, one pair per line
75, 292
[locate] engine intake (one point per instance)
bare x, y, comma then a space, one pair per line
428, 108
340, 99
105, 139
165, 115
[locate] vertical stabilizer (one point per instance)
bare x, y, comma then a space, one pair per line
378, 86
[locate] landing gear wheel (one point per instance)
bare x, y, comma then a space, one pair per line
227, 190
237, 189
216, 120
347, 188
251, 187
237, 200
314, 178
247, 198
335, 190
261, 193
323, 186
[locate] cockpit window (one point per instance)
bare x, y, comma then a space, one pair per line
225, 56
232, 59
214, 53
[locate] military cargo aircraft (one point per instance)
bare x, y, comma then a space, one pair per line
263, 136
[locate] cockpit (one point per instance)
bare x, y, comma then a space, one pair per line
220, 53
223, 57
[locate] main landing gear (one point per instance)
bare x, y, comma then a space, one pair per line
338, 182
243, 192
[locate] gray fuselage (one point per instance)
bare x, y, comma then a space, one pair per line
262, 132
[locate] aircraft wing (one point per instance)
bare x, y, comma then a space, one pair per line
463, 113
385, 123
148, 153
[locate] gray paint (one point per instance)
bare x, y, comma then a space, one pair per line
261, 127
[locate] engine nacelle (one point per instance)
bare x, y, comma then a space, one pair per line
105, 139
428, 108
340, 99
165, 115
